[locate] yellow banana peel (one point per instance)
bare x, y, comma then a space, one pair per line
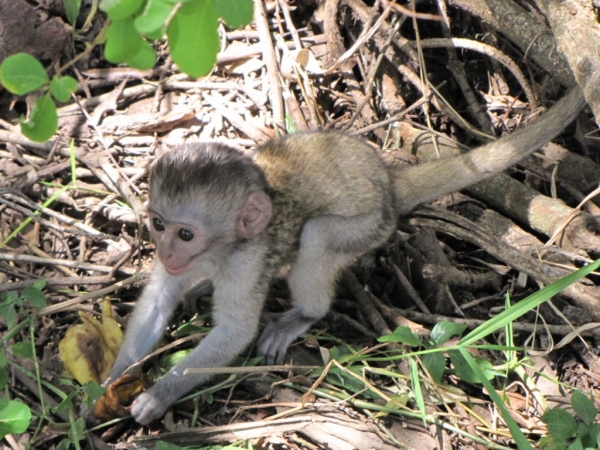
89, 349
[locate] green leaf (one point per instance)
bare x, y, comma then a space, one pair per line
584, 407
290, 126
172, 359
465, 372
76, 430
9, 312
22, 349
397, 399
594, 434
435, 364
40, 284
14, 418
93, 390
156, 35
237, 13
153, 17
588, 434
144, 59
3, 378
443, 331
65, 444
341, 353
560, 423
10, 297
122, 41
343, 379
576, 445
120, 9
61, 88
402, 335
34, 296
3, 371
193, 38
43, 121
66, 404
22, 73
72, 8
551, 443
192, 327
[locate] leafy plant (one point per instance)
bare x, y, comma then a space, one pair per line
15, 417
479, 370
72, 8
573, 432
22, 74
191, 28
434, 361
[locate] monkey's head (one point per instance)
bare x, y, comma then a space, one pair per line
204, 198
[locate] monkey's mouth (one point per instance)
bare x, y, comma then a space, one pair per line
176, 271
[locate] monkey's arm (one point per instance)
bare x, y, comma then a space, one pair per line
238, 298
149, 319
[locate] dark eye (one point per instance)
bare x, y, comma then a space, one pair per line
158, 224
185, 235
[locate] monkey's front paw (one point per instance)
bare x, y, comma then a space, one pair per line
147, 408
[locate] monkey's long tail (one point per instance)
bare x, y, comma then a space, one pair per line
426, 182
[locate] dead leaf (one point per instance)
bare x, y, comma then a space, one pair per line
89, 349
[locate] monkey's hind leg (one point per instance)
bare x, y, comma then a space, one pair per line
328, 244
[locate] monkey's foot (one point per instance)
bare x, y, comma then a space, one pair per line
279, 333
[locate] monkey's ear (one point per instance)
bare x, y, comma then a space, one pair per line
255, 215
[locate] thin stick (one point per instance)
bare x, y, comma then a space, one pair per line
70, 304
63, 262
270, 60
253, 369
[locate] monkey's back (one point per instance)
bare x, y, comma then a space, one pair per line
327, 173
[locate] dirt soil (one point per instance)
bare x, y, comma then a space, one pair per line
451, 75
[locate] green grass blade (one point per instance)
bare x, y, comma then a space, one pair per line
515, 431
416, 384
517, 310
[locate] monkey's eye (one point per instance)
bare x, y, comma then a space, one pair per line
158, 224
185, 235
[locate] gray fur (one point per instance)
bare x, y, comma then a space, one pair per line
426, 182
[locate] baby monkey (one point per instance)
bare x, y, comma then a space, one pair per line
316, 201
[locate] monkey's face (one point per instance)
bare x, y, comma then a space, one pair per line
180, 245
205, 233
